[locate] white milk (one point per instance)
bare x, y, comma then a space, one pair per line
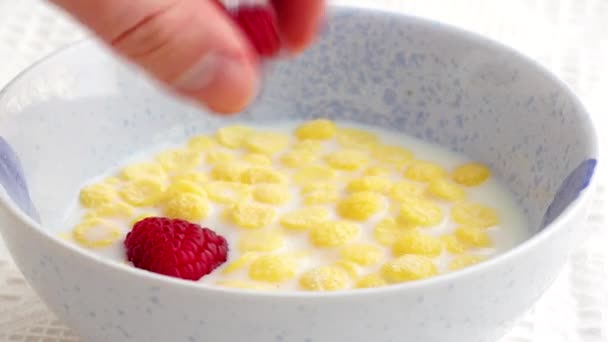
511, 231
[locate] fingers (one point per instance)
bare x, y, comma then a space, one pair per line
188, 45
191, 46
300, 21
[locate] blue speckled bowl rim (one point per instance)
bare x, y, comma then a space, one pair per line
160, 280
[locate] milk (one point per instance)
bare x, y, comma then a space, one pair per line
511, 231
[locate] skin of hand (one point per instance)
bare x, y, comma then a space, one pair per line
191, 46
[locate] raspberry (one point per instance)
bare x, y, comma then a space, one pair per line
260, 25
175, 248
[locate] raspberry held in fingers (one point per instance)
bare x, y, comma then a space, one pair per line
259, 23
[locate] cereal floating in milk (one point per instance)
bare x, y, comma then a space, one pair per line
313, 206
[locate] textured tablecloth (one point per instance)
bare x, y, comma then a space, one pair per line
568, 36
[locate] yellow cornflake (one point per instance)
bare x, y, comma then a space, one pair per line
114, 209
404, 190
273, 268
313, 174
112, 181
143, 192
362, 253
251, 215
473, 236
353, 137
350, 267
319, 129
360, 206
415, 242
185, 186
240, 263
326, 278
387, 231
179, 160
274, 194
334, 233
304, 218
266, 142
424, 171
312, 187
91, 215
257, 159
420, 212
196, 177
219, 156
261, 174
96, 195
233, 136
297, 255
144, 170
395, 155
226, 192
228, 171
471, 174
444, 189
243, 285
347, 160
187, 206
319, 193
408, 268
370, 183
377, 171
452, 244
474, 214
261, 242
82, 232
298, 158
202, 143
461, 261
371, 281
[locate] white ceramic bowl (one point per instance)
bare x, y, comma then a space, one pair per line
78, 112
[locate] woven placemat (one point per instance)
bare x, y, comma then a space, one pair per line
570, 37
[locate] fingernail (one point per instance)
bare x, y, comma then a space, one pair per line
224, 83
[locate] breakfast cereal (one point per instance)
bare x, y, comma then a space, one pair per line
310, 206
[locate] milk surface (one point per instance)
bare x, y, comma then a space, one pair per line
511, 231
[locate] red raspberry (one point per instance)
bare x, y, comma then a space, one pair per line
260, 25
176, 248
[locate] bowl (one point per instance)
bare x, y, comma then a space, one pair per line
80, 111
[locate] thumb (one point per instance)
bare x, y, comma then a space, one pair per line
189, 45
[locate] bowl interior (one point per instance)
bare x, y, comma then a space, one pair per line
80, 112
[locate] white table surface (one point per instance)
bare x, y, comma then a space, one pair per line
570, 37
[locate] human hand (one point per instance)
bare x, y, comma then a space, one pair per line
192, 46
